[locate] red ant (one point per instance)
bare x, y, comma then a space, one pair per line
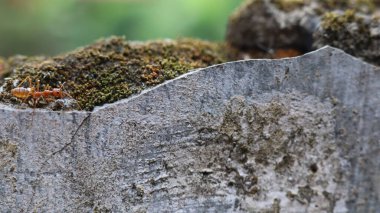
24, 93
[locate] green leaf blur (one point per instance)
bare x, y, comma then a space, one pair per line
48, 27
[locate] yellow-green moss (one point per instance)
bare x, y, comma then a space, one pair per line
335, 22
112, 69
351, 32
365, 6
346, 31
289, 5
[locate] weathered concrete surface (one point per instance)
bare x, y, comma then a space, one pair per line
291, 135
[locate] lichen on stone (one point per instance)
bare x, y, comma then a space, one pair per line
112, 69
270, 141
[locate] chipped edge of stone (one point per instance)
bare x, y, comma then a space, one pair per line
97, 109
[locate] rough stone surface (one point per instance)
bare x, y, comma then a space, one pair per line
272, 28
291, 135
356, 34
261, 24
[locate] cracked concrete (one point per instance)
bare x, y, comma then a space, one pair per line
290, 135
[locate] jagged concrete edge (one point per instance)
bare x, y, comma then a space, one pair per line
310, 59
4, 107
312, 53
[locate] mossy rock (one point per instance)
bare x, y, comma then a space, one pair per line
112, 69
363, 6
272, 26
352, 32
267, 26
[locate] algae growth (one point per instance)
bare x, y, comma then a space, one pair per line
112, 69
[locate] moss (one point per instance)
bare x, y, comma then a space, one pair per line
259, 30
333, 4
335, 22
112, 69
364, 6
350, 32
289, 5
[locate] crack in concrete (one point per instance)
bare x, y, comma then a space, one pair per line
72, 137
68, 144
54, 153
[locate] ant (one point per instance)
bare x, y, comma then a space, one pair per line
34, 92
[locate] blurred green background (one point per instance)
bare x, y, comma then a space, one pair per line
49, 27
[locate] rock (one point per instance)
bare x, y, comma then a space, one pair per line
356, 34
271, 26
299, 134
263, 25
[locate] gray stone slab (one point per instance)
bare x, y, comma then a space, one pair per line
291, 135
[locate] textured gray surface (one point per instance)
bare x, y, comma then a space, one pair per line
291, 135
262, 25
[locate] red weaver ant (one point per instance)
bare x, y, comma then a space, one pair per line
24, 93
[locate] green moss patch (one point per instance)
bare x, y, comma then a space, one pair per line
334, 22
113, 69
287, 6
351, 32
364, 6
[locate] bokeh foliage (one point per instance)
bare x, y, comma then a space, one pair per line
34, 27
